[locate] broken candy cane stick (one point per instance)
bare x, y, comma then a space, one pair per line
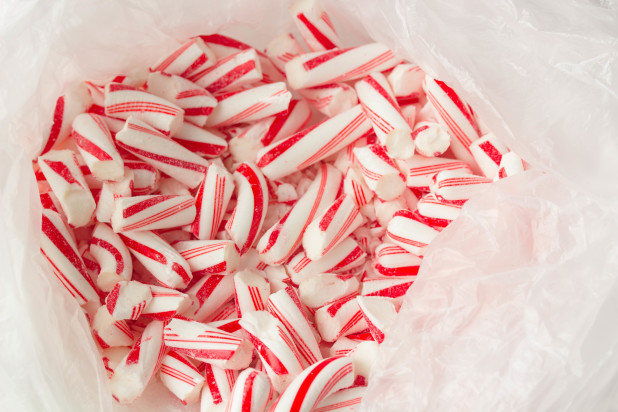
200, 141
340, 318
419, 170
252, 392
112, 255
380, 172
209, 257
152, 212
251, 291
282, 49
405, 231
457, 187
110, 191
165, 303
488, 152
211, 200
110, 332
379, 314
191, 57
128, 299
217, 387
331, 99
181, 377
392, 260
314, 25
231, 72
208, 295
431, 139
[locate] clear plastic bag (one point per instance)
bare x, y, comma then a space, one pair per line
514, 305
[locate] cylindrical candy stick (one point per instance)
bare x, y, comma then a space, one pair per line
510, 165
217, 388
231, 72
313, 144
285, 305
315, 383
273, 343
208, 257
191, 57
383, 111
379, 314
380, 172
96, 146
323, 288
208, 344
165, 303
208, 295
139, 366
488, 152
196, 102
63, 173
282, 239
457, 187
110, 332
145, 177
392, 260
331, 99
181, 377
314, 25
338, 65
431, 139
393, 288
128, 299
419, 170
345, 256
125, 101
60, 250
333, 225
406, 81
355, 187
152, 212
251, 291
252, 392
344, 400
282, 49
112, 357
161, 260
405, 231
287, 123
161, 152
110, 191
250, 211
211, 200
200, 141
435, 212
112, 256
340, 318
250, 104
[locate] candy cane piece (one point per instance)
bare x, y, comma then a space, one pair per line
379, 314
191, 57
405, 231
110, 332
364, 357
331, 99
251, 206
435, 212
112, 357
126, 101
380, 172
128, 299
406, 81
250, 104
66, 180
340, 318
338, 65
287, 123
510, 165
161, 259
161, 152
208, 295
313, 144
205, 343
211, 201
283, 238
282, 49
344, 400
392, 260
165, 303
152, 212
316, 383
112, 256
355, 187
393, 288
251, 291
314, 25
323, 288
217, 388
252, 392
419, 170
231, 72
207, 257
431, 139
457, 187
200, 141
145, 177
181, 377
133, 373
59, 248
488, 152
110, 191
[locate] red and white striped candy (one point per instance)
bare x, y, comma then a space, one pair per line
283, 238
419, 170
364, 357
225, 313
161, 260
457, 187
435, 212
406, 81
128, 299
344, 400
393, 288
383, 111
59, 248
230, 325
207, 344
379, 314
392, 260
431, 139
110, 332
380, 172
152, 212
252, 392
112, 357
165, 303
208, 295
340, 318
209, 257
161, 152
250, 104
313, 144
191, 57
331, 99
135, 371
145, 177
211, 200
456, 115
196, 102
488, 152
315, 383
126, 101
200, 141
324, 288
510, 165
251, 291
275, 346
74, 102
329, 229
344, 345
96, 146
277, 277
112, 256
338, 65
355, 187
287, 123
231, 72
285, 305
314, 25
181, 377
217, 388
251, 206
110, 191
282, 49
405, 231
63, 174
245, 145
345, 256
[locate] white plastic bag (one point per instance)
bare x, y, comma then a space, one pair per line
514, 304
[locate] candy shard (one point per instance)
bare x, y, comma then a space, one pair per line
112, 256
379, 314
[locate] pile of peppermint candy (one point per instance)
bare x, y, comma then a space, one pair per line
243, 225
